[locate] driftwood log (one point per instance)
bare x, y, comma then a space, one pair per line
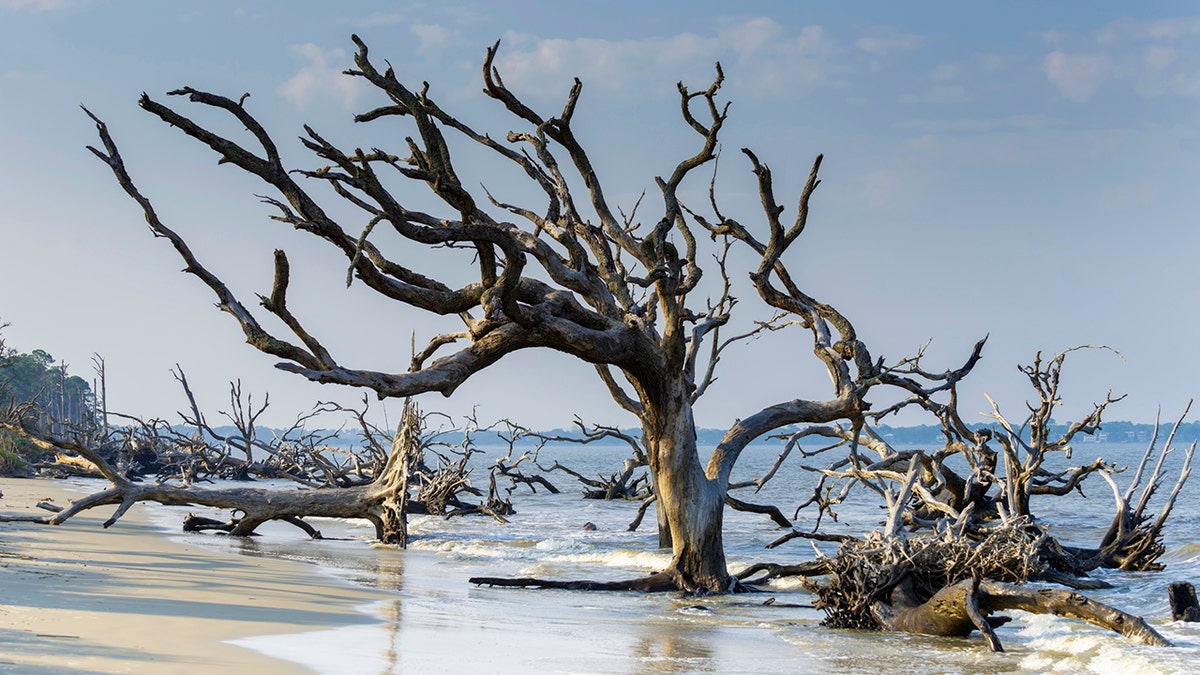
957, 610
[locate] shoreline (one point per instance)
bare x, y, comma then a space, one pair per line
131, 598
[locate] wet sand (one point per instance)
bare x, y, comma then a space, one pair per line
79, 598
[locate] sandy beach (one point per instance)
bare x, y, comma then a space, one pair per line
80, 598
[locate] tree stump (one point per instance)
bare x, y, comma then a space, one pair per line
1184, 606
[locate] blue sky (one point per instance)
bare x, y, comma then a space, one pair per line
1025, 170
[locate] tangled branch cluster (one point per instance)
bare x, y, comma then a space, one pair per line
864, 571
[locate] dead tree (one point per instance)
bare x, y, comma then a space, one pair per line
621, 485
1133, 540
295, 453
614, 292
1026, 450
921, 491
508, 466
937, 568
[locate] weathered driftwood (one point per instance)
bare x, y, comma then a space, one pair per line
769, 571
659, 582
958, 609
384, 501
618, 485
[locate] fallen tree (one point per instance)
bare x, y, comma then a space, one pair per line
924, 492
949, 586
404, 484
941, 564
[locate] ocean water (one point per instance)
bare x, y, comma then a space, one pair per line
435, 621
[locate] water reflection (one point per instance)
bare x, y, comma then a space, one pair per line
675, 643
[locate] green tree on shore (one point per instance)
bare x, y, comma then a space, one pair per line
35, 379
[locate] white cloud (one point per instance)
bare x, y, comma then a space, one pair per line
767, 57
430, 37
752, 36
887, 40
321, 77
1077, 76
1152, 57
1185, 84
1157, 57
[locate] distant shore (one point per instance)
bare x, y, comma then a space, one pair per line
77, 597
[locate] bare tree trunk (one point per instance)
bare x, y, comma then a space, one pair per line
391, 515
691, 504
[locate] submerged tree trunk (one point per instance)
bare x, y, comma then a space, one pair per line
689, 503
690, 507
1184, 606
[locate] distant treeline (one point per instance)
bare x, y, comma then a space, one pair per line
1110, 432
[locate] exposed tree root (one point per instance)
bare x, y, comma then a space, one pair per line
950, 585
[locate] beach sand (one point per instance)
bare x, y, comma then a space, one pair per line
79, 598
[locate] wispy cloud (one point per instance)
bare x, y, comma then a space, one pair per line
1153, 57
769, 59
945, 71
35, 5
885, 40
992, 62
430, 37
320, 77
1076, 75
1160, 30
942, 93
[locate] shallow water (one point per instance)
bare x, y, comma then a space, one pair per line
437, 622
